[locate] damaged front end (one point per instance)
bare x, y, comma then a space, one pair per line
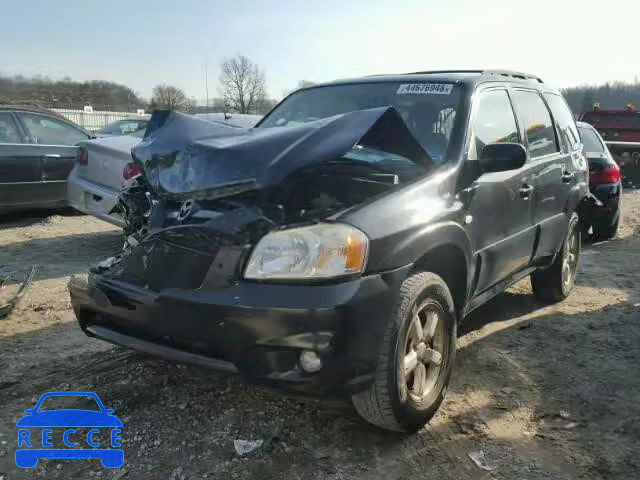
235, 256
208, 193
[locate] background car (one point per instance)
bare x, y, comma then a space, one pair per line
604, 182
103, 164
37, 151
99, 172
123, 127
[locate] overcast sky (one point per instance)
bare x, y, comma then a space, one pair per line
141, 43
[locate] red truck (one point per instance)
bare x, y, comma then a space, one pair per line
620, 130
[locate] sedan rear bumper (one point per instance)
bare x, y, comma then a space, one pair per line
609, 194
257, 329
93, 199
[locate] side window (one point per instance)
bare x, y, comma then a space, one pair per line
46, 130
537, 123
564, 121
494, 122
8, 129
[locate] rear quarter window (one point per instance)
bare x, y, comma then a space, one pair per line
564, 121
541, 137
591, 141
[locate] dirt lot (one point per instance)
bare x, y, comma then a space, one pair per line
543, 391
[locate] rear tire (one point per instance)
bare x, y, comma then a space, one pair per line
555, 283
416, 357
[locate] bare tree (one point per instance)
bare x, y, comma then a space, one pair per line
242, 84
168, 97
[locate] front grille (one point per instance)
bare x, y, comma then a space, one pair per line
158, 265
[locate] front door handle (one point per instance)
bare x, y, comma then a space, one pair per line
52, 155
567, 176
525, 190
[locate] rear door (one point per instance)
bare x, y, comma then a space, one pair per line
550, 164
20, 166
54, 141
501, 227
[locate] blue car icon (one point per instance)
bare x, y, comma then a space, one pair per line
32, 448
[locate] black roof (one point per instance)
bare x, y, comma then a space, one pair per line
468, 77
31, 108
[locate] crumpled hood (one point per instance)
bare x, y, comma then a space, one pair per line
183, 156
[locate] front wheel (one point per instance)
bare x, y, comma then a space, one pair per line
416, 357
555, 283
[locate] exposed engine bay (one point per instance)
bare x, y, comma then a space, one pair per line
216, 190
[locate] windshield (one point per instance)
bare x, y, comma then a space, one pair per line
428, 109
590, 140
613, 120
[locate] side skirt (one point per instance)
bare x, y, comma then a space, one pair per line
499, 287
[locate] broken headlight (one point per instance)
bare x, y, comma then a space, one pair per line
314, 252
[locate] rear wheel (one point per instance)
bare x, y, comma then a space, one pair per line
416, 357
554, 284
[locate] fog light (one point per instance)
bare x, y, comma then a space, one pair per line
310, 361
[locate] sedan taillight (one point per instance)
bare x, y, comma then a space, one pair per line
82, 156
130, 170
610, 174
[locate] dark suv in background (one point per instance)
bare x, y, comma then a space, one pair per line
336, 247
37, 152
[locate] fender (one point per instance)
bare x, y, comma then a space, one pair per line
411, 247
416, 245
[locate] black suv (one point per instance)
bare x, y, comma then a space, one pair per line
334, 248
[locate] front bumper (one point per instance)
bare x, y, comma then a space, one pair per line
256, 329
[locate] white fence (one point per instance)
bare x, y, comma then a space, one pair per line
95, 120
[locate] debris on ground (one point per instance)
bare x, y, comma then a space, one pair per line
177, 474
9, 305
481, 461
244, 447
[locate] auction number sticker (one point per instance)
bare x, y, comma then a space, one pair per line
425, 88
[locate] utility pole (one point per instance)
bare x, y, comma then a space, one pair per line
206, 83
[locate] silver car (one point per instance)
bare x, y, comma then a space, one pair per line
96, 178
103, 164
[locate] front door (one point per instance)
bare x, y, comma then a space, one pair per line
500, 212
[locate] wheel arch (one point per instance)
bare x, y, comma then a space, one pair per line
446, 251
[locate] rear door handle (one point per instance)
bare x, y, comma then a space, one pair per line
52, 155
567, 177
525, 190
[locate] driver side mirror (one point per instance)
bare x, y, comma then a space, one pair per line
500, 157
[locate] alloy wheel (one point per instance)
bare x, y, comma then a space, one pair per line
425, 345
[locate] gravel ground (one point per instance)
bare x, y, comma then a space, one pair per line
545, 392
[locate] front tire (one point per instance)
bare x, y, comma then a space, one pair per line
555, 283
416, 357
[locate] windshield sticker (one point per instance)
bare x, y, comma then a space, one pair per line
425, 88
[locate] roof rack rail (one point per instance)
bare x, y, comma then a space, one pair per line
444, 71
503, 73
510, 73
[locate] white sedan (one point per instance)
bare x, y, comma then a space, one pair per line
104, 164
